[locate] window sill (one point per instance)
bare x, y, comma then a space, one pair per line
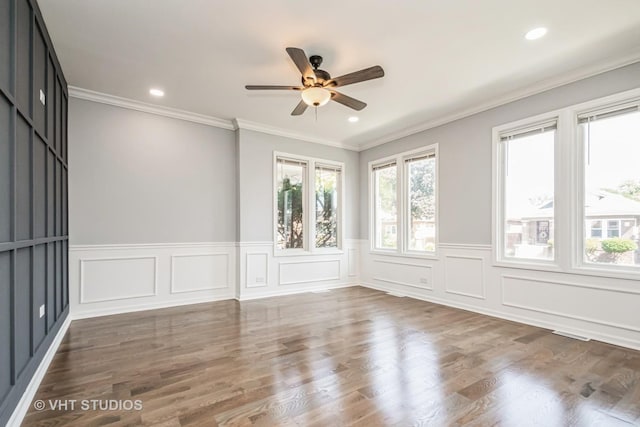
429, 256
603, 271
303, 253
528, 265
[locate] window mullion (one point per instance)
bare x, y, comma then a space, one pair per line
401, 203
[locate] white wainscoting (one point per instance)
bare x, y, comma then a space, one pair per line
261, 274
464, 276
110, 279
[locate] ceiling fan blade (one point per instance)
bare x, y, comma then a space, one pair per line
347, 100
300, 108
370, 73
302, 62
263, 87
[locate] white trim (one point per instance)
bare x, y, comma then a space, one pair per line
297, 282
567, 78
159, 110
246, 270
285, 292
600, 336
85, 314
127, 246
466, 246
557, 313
27, 397
483, 295
155, 277
207, 254
272, 130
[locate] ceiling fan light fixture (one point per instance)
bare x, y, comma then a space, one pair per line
316, 96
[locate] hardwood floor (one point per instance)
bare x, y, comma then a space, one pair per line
348, 357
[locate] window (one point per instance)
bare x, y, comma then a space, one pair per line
403, 202
527, 192
290, 177
301, 183
385, 198
421, 179
328, 179
577, 211
610, 140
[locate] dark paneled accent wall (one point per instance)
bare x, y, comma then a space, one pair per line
33, 197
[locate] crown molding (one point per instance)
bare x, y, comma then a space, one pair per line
542, 86
174, 113
260, 127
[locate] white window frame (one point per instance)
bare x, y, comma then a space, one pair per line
579, 221
402, 200
499, 182
309, 210
570, 221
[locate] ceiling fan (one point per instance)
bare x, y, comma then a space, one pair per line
317, 85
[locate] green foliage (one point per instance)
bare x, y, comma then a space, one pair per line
326, 211
290, 213
422, 188
618, 245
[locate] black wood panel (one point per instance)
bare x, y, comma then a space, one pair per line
6, 46
5, 324
33, 198
6, 136
22, 310
51, 99
51, 196
39, 188
23, 56
39, 80
51, 286
39, 294
23, 180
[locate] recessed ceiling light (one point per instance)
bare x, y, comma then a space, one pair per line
156, 92
536, 33
353, 119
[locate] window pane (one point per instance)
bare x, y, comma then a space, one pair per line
422, 204
385, 211
529, 196
290, 182
612, 189
327, 200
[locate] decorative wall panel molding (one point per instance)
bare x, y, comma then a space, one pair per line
404, 273
200, 272
298, 272
109, 279
256, 269
464, 275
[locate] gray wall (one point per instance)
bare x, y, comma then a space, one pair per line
465, 154
143, 178
255, 157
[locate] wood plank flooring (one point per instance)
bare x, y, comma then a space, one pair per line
350, 357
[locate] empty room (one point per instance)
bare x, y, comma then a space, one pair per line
282, 213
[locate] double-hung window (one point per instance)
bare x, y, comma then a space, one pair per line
609, 139
526, 208
308, 204
567, 189
404, 203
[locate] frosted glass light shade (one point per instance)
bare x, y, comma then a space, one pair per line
316, 96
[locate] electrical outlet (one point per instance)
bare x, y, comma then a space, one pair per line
424, 281
259, 279
42, 311
43, 98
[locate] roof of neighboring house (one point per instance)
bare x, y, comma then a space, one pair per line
599, 203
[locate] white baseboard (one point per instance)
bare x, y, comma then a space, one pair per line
598, 336
27, 397
148, 306
285, 292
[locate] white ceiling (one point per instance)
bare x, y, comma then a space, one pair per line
440, 57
